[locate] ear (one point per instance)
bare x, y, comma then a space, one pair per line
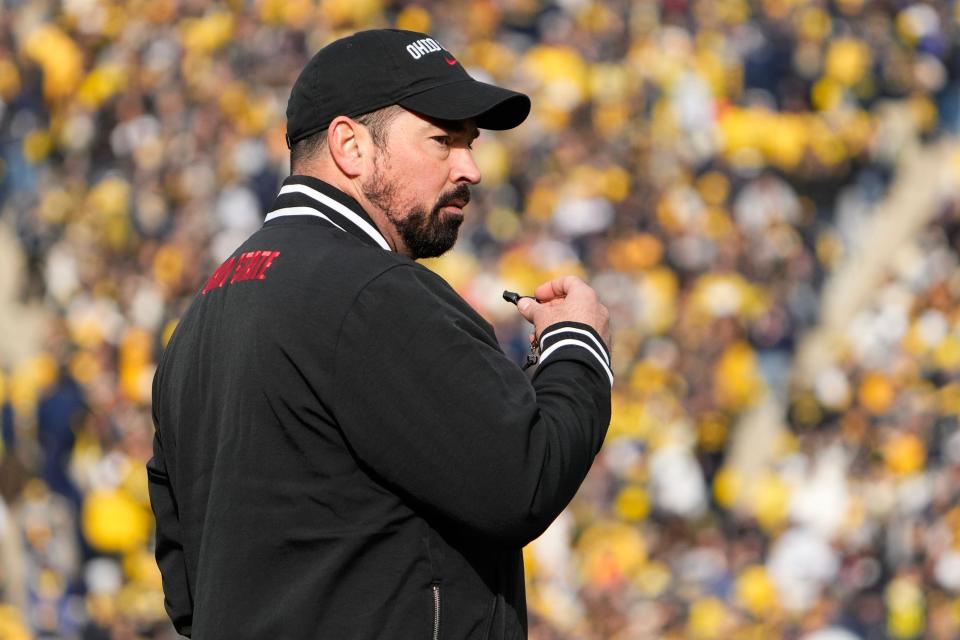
350, 146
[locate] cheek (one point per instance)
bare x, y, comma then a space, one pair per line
421, 178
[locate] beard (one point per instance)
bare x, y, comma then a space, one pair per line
426, 234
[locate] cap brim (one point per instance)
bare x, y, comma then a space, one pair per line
492, 107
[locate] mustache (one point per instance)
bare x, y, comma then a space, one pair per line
459, 194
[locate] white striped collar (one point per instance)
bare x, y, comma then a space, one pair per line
305, 195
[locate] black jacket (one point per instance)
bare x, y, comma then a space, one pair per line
343, 451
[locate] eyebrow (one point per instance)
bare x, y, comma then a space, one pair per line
456, 126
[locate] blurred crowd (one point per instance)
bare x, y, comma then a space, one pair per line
708, 165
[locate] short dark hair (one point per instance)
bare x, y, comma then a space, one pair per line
376, 123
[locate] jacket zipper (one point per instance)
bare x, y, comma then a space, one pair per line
436, 611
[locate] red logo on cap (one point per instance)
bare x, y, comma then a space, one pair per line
450, 61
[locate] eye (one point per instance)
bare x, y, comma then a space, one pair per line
443, 140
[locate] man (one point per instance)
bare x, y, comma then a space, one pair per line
342, 449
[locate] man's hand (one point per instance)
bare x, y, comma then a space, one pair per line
566, 299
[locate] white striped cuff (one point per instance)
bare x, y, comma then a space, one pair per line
567, 336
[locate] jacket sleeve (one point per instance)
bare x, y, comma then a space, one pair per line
169, 546
427, 399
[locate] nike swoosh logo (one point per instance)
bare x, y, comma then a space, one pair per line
450, 61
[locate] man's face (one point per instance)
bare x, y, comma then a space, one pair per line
422, 181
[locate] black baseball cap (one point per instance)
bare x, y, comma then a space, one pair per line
373, 69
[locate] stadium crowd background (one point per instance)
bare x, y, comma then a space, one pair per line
710, 165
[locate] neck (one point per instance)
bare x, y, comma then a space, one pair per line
354, 189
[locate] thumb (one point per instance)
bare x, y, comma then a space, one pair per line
527, 307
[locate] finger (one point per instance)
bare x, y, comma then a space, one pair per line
556, 288
549, 290
527, 307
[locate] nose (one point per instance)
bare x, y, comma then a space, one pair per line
464, 168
